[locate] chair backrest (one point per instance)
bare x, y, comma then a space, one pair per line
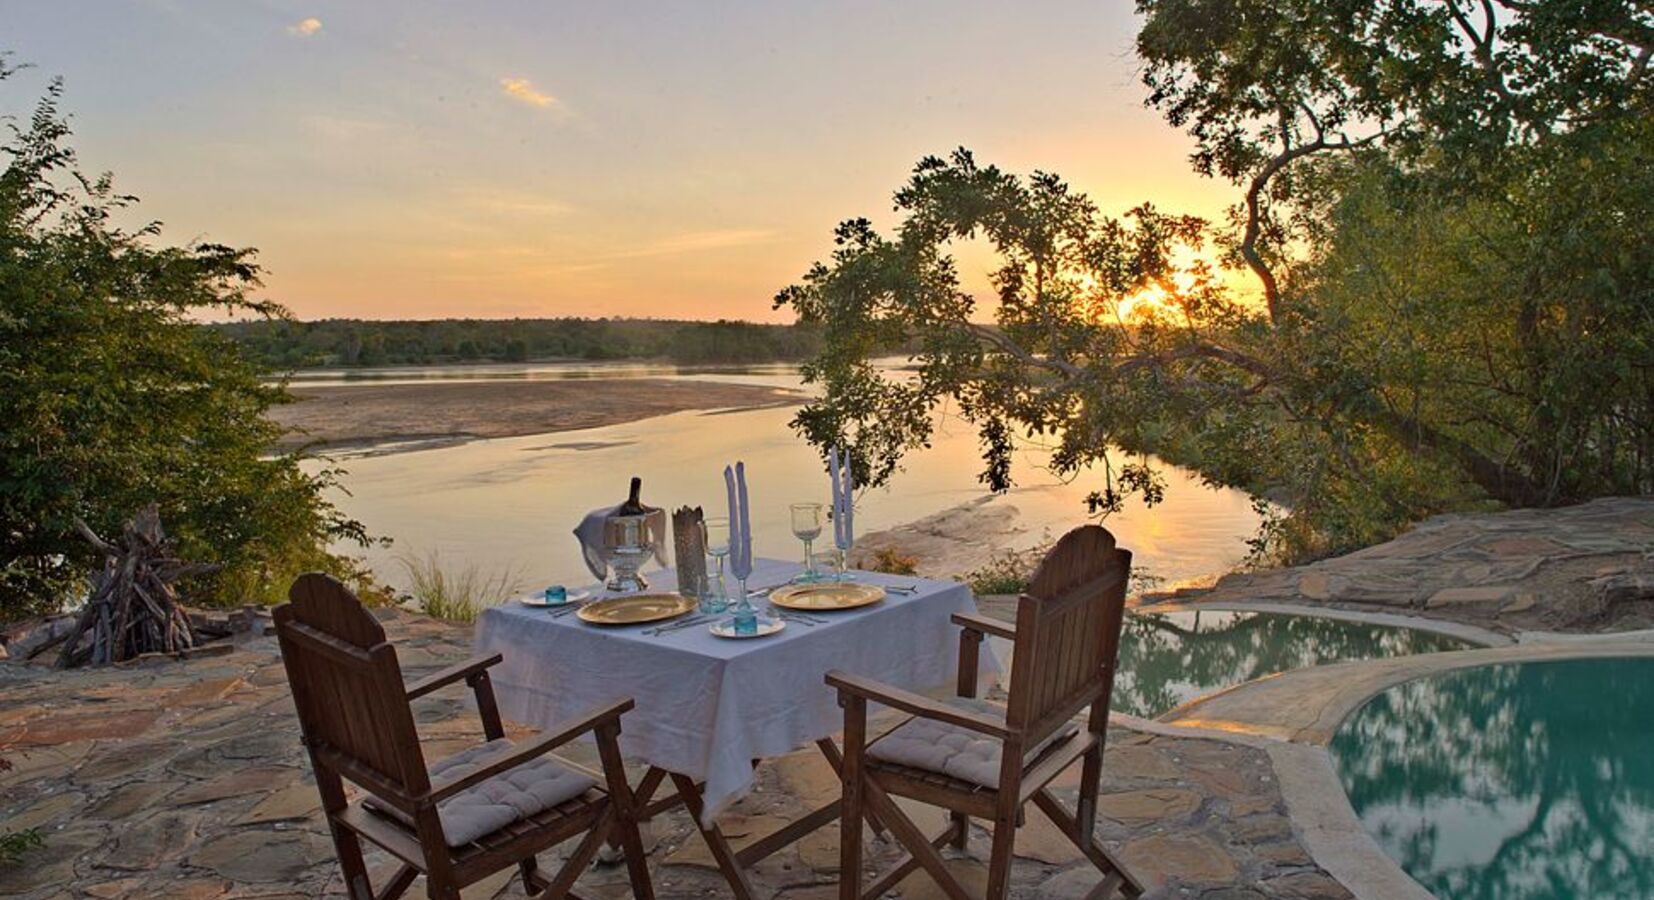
1068, 633
347, 685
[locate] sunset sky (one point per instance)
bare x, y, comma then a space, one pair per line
687, 159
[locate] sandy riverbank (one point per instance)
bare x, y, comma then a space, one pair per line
419, 415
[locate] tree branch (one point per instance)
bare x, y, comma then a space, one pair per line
1255, 213
1005, 344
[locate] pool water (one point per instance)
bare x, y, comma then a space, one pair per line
1167, 659
1532, 781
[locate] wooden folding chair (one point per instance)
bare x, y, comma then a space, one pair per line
464, 817
977, 759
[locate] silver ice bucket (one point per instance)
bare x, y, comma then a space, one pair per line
628, 542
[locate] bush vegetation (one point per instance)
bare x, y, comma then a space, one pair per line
284, 344
112, 397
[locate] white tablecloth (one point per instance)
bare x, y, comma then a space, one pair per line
708, 706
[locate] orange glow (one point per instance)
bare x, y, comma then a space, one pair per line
1152, 302
530, 162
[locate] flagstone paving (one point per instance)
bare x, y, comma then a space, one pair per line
1585, 568
186, 780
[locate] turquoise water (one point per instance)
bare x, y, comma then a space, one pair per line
1512, 782
1167, 659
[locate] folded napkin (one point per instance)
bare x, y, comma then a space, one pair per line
592, 546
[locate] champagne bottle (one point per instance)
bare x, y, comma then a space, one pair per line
633, 505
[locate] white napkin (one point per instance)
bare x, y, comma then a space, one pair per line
740, 523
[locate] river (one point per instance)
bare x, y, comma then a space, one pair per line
508, 504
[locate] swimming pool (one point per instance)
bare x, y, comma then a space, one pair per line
1167, 659
1528, 781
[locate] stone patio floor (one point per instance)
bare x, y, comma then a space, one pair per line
186, 780
1580, 569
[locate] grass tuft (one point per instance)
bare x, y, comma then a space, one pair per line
1012, 570
456, 595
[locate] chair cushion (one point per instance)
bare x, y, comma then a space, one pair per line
512, 795
953, 751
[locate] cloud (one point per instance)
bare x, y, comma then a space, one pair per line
305, 27
524, 91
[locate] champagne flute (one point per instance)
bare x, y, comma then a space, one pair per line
806, 520
715, 535
843, 541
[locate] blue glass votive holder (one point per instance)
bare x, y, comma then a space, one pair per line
557, 594
745, 620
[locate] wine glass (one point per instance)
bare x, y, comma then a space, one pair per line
806, 518
715, 535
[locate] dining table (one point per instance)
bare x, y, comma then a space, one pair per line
709, 708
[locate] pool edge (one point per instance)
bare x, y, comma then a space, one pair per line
1317, 805
1473, 634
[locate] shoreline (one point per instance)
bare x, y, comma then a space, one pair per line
382, 419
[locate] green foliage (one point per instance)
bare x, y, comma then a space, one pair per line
1056, 362
285, 344
1010, 572
457, 595
1465, 79
111, 397
1007, 573
1455, 303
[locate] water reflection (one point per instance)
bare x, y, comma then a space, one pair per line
1170, 658
1526, 782
509, 504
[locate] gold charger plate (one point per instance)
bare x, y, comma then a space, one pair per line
635, 609
826, 596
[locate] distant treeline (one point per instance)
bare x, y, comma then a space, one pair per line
286, 344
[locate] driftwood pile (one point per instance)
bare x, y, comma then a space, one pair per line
133, 607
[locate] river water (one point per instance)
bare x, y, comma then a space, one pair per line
509, 504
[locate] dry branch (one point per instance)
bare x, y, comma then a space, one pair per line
133, 607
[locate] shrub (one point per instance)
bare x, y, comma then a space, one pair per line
112, 395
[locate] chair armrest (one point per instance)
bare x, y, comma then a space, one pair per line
985, 625
453, 673
916, 704
495, 763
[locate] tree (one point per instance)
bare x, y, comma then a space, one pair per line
1443, 220
112, 397
1263, 84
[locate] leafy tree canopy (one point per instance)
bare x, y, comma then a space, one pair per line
1444, 206
112, 397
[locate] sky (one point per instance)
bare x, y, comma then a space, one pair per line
418, 159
